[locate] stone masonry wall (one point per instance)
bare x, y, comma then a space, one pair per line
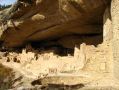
115, 28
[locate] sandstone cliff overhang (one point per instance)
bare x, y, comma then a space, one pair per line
39, 20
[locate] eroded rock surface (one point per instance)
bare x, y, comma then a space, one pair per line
38, 20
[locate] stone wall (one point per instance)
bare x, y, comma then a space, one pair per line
115, 29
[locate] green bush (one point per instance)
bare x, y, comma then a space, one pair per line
4, 6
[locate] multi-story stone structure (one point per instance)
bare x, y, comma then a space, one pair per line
89, 27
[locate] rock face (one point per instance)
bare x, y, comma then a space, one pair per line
38, 20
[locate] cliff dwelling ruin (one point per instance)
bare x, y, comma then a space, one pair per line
61, 44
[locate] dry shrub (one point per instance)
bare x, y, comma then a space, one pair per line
6, 77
